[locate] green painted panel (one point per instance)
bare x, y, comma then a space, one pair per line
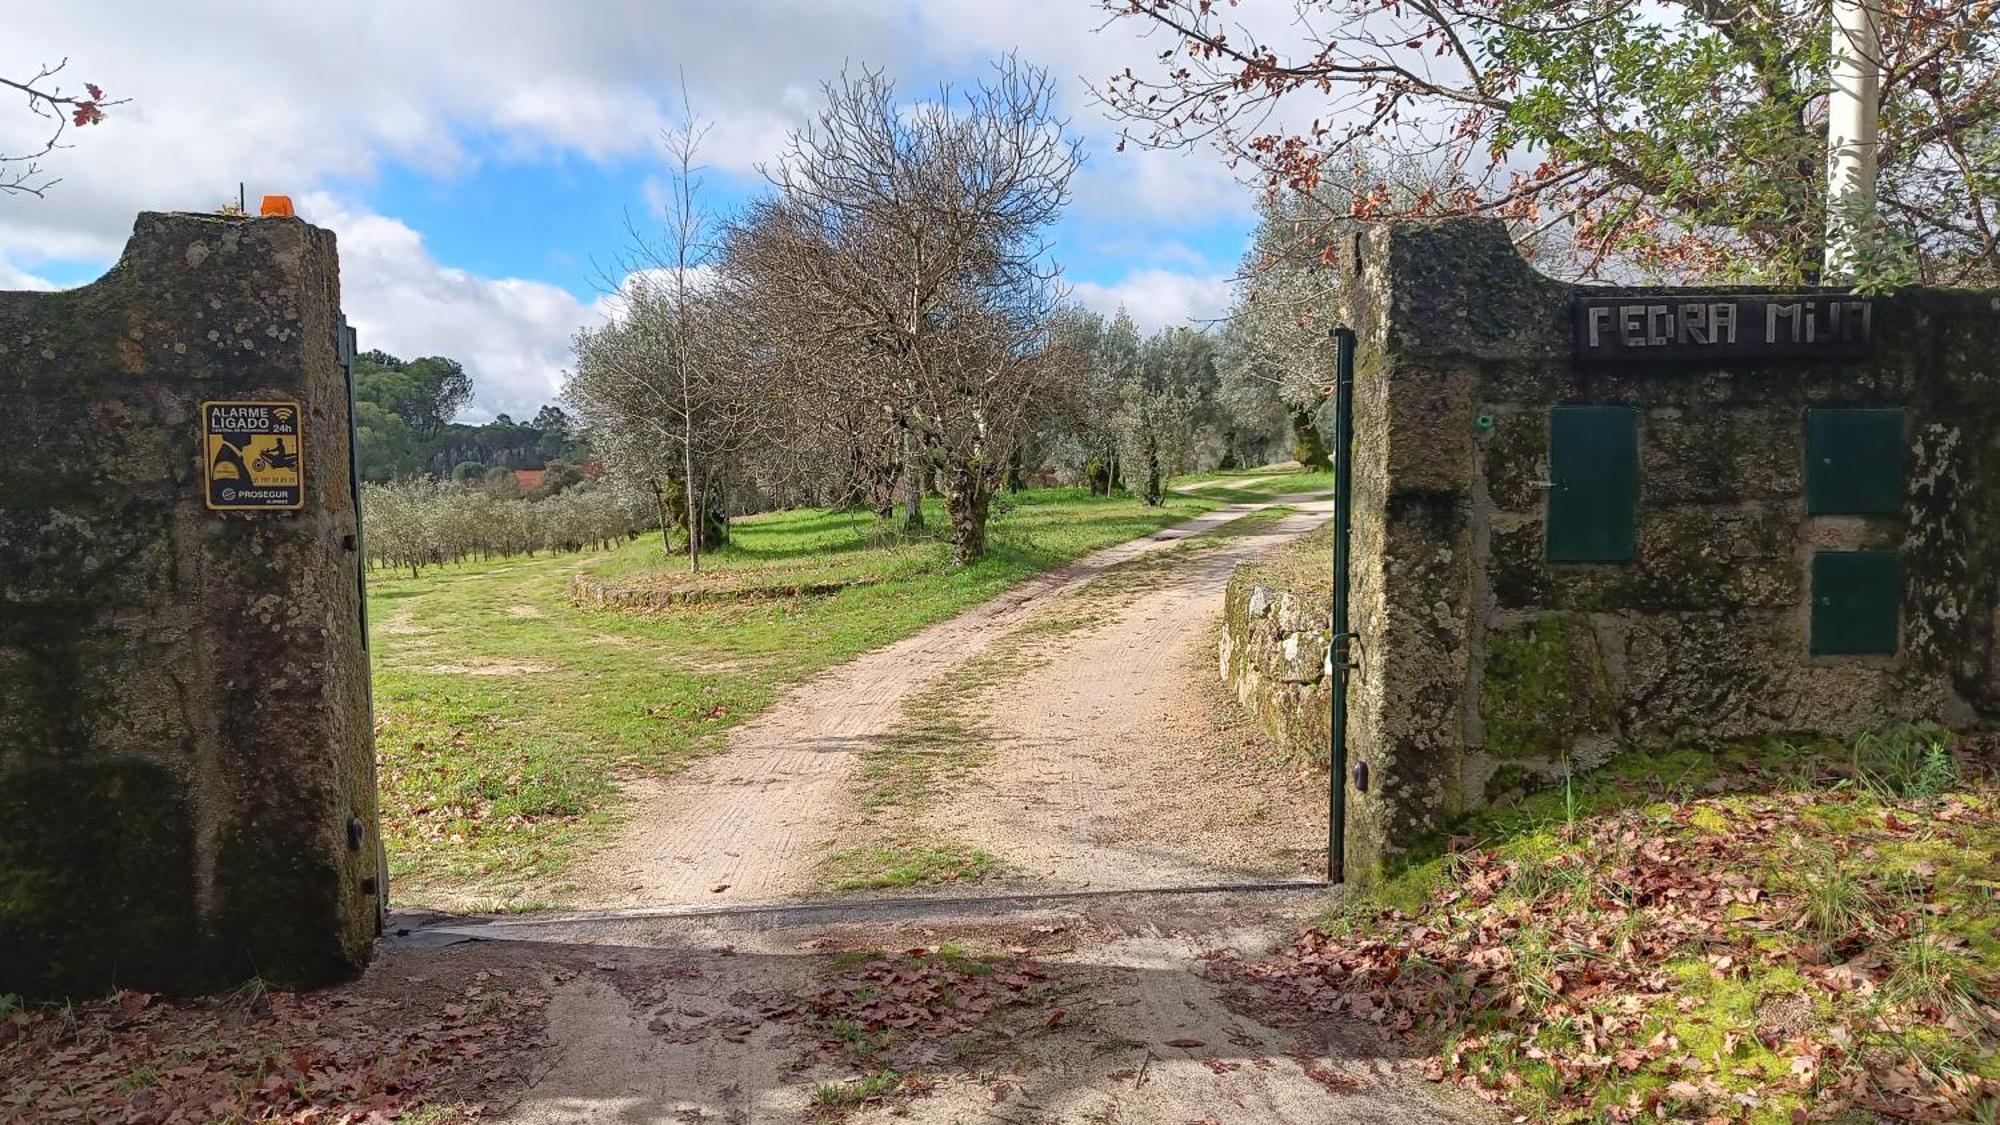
1593, 483
1854, 462
1857, 599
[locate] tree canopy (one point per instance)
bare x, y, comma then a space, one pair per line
1686, 139
403, 413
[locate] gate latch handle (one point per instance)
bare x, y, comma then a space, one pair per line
1347, 645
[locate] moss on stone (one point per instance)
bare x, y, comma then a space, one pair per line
1508, 780
1516, 458
298, 947
1544, 686
1718, 457
1689, 559
1520, 578
1694, 560
96, 879
1282, 685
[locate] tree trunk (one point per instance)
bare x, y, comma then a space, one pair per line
1156, 485
697, 519
1016, 472
666, 523
913, 487
968, 498
1308, 447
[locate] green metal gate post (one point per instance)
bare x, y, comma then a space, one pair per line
347, 345
1337, 646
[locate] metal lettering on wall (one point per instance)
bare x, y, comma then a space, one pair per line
1639, 327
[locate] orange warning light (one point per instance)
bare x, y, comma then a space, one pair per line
276, 206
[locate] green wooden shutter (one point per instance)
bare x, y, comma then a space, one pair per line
1857, 600
1594, 483
1854, 462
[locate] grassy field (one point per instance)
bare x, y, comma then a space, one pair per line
505, 713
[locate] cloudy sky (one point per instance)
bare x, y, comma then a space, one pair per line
479, 159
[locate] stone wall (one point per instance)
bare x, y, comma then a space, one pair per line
187, 789
1273, 651
1488, 669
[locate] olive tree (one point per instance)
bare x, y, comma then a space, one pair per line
912, 237
671, 371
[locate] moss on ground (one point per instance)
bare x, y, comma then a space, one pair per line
1750, 931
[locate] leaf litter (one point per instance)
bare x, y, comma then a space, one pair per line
332, 1057
896, 1018
1785, 957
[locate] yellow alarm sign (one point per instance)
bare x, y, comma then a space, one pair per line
253, 455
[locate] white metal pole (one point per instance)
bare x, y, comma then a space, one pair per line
1851, 129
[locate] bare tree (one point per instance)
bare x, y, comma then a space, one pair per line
21, 172
912, 236
840, 446
674, 365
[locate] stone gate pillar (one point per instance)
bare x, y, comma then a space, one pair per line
1432, 304
187, 784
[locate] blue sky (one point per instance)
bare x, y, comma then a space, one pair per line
479, 160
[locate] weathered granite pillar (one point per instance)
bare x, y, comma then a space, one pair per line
187, 789
1429, 303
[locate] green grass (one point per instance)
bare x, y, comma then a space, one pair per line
1242, 486
505, 713
838, 1097
883, 866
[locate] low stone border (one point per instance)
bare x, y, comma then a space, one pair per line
591, 593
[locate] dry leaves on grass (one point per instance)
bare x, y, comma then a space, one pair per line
334, 1056
1600, 982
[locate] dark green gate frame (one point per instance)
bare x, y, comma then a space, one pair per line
346, 347
1341, 638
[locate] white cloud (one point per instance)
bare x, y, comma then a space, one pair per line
512, 335
312, 99
1161, 298
290, 96
12, 277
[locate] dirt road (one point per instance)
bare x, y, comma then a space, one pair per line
1133, 1018
1115, 758
1092, 748
755, 822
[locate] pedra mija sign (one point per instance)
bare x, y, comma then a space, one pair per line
1639, 326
